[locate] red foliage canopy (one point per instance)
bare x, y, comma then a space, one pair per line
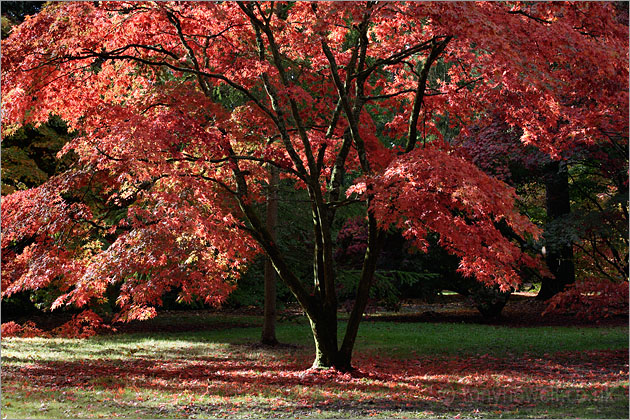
178, 106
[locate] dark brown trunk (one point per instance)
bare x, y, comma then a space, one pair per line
559, 257
327, 354
375, 242
323, 320
269, 322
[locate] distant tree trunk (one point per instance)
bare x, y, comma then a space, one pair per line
559, 258
269, 323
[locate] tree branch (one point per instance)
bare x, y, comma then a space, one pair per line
412, 133
527, 15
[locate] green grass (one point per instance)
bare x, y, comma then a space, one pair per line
420, 370
398, 339
406, 339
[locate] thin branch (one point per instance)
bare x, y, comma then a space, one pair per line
343, 203
436, 50
216, 181
110, 55
527, 15
397, 58
389, 95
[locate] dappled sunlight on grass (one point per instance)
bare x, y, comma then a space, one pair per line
60, 349
226, 374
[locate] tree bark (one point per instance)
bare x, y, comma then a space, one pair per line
559, 258
327, 355
269, 322
376, 238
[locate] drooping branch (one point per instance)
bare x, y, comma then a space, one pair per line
530, 16
265, 238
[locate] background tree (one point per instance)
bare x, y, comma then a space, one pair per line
269, 321
589, 178
142, 83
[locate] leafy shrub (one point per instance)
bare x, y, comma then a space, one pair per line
83, 325
29, 329
388, 288
592, 298
11, 329
403, 272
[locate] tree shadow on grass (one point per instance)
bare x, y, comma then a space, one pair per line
268, 384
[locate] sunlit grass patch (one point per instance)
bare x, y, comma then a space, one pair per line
404, 370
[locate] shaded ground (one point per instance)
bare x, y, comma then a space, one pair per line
216, 375
207, 364
380, 384
522, 310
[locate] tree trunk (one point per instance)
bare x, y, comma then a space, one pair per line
269, 322
376, 238
559, 258
327, 355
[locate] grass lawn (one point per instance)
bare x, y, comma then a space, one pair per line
411, 370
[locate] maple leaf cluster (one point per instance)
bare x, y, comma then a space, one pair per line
82, 325
592, 299
448, 185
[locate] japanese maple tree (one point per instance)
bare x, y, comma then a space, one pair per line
181, 108
585, 199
